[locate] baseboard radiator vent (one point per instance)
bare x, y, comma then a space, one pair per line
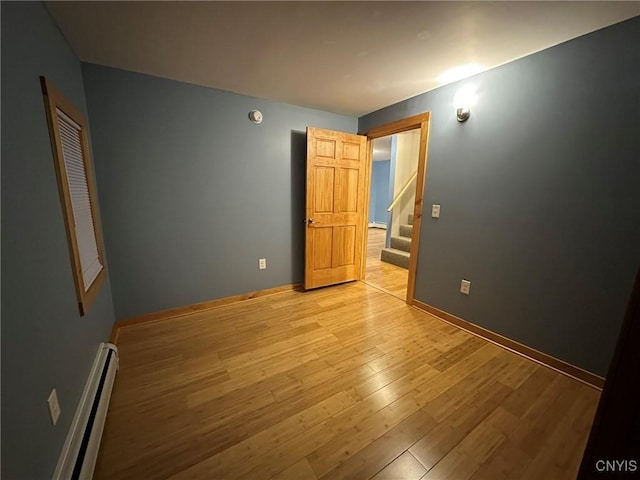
80, 451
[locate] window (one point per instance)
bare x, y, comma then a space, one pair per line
69, 142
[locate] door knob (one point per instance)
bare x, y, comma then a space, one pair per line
310, 221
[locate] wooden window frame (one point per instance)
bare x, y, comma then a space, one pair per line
54, 100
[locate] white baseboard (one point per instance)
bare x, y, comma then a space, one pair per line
383, 226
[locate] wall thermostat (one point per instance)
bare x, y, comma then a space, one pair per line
255, 116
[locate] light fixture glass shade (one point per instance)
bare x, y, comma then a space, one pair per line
464, 99
463, 114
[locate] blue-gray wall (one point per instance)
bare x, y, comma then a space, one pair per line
540, 195
45, 342
192, 193
379, 198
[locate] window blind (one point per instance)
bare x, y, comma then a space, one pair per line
71, 139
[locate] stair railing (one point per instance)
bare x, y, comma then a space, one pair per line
402, 192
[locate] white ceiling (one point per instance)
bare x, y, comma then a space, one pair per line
343, 57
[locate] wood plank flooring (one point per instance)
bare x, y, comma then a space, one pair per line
345, 382
385, 276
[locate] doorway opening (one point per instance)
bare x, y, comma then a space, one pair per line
391, 205
338, 194
393, 232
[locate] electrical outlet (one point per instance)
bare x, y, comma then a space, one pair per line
465, 287
262, 263
54, 406
435, 211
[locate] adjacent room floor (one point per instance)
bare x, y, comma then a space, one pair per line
383, 275
341, 382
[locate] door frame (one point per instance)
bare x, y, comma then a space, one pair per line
422, 122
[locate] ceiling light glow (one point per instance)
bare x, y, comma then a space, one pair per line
461, 71
465, 97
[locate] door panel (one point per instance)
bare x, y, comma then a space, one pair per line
344, 239
322, 241
336, 173
351, 151
324, 188
325, 148
348, 198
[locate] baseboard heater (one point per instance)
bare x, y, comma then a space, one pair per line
381, 225
80, 451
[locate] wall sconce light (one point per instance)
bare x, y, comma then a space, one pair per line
463, 114
463, 100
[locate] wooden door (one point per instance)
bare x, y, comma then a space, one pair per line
336, 174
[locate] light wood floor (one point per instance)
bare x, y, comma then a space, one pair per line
342, 382
390, 278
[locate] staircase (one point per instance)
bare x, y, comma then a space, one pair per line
398, 252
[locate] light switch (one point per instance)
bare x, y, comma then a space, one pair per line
435, 211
